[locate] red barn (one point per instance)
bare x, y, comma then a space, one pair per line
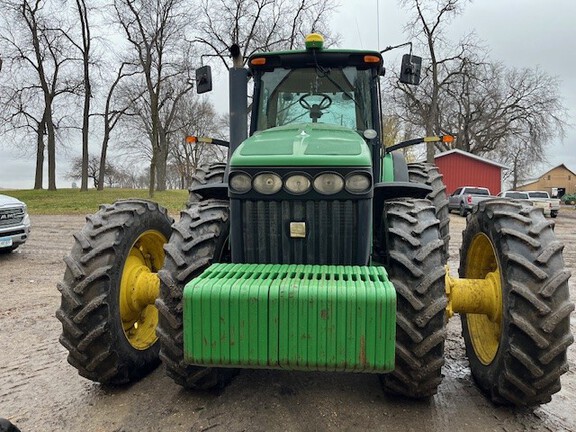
461, 168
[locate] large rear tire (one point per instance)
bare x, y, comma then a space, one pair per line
198, 239
108, 316
518, 355
414, 265
430, 174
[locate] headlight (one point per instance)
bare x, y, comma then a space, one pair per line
240, 182
328, 183
357, 183
297, 184
267, 183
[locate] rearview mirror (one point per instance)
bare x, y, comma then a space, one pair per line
410, 70
203, 79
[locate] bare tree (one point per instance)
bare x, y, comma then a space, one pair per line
198, 118
75, 171
155, 32
490, 109
23, 116
524, 158
262, 25
113, 113
429, 19
35, 43
493, 106
84, 46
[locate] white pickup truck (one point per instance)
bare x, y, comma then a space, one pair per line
524, 196
465, 198
14, 223
543, 196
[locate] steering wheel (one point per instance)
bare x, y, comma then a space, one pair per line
315, 108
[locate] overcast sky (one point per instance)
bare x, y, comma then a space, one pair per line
520, 33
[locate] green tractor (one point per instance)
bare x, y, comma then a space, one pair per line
316, 249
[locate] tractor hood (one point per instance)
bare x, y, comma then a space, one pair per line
305, 144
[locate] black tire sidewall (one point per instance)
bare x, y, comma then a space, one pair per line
92, 329
194, 222
486, 375
535, 327
137, 362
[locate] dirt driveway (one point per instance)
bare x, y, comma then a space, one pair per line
39, 391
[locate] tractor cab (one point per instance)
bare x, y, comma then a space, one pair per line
316, 86
318, 89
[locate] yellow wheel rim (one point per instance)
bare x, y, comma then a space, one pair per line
139, 288
484, 330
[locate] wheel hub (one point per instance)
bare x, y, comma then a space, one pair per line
139, 288
479, 298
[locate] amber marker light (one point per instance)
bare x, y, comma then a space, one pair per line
371, 59
447, 138
258, 61
191, 139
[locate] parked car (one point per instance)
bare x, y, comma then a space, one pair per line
545, 197
465, 198
14, 223
524, 196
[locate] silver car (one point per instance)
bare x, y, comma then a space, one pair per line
14, 223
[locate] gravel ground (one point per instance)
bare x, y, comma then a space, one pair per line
40, 391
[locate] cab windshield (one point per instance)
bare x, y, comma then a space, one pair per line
339, 96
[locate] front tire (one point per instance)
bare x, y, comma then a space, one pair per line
107, 311
198, 239
518, 355
414, 265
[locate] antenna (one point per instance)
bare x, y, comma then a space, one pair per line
378, 22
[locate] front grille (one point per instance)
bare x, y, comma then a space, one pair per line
332, 232
10, 217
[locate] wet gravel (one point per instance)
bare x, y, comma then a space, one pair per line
40, 391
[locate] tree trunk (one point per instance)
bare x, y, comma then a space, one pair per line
161, 172
85, 130
102, 167
86, 42
39, 177
51, 146
430, 146
162, 160
152, 176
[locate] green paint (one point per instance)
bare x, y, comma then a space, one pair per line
296, 317
387, 168
305, 144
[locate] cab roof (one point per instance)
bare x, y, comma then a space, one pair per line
314, 56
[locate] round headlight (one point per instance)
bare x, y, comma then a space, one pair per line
240, 182
328, 183
297, 184
267, 183
357, 183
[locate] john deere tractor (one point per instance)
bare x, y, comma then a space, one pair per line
317, 250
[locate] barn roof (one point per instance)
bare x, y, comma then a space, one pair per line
559, 166
536, 179
472, 156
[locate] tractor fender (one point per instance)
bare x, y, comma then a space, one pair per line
217, 191
398, 189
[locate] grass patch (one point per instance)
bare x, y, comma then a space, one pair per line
72, 201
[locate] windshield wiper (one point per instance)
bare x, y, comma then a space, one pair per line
325, 73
